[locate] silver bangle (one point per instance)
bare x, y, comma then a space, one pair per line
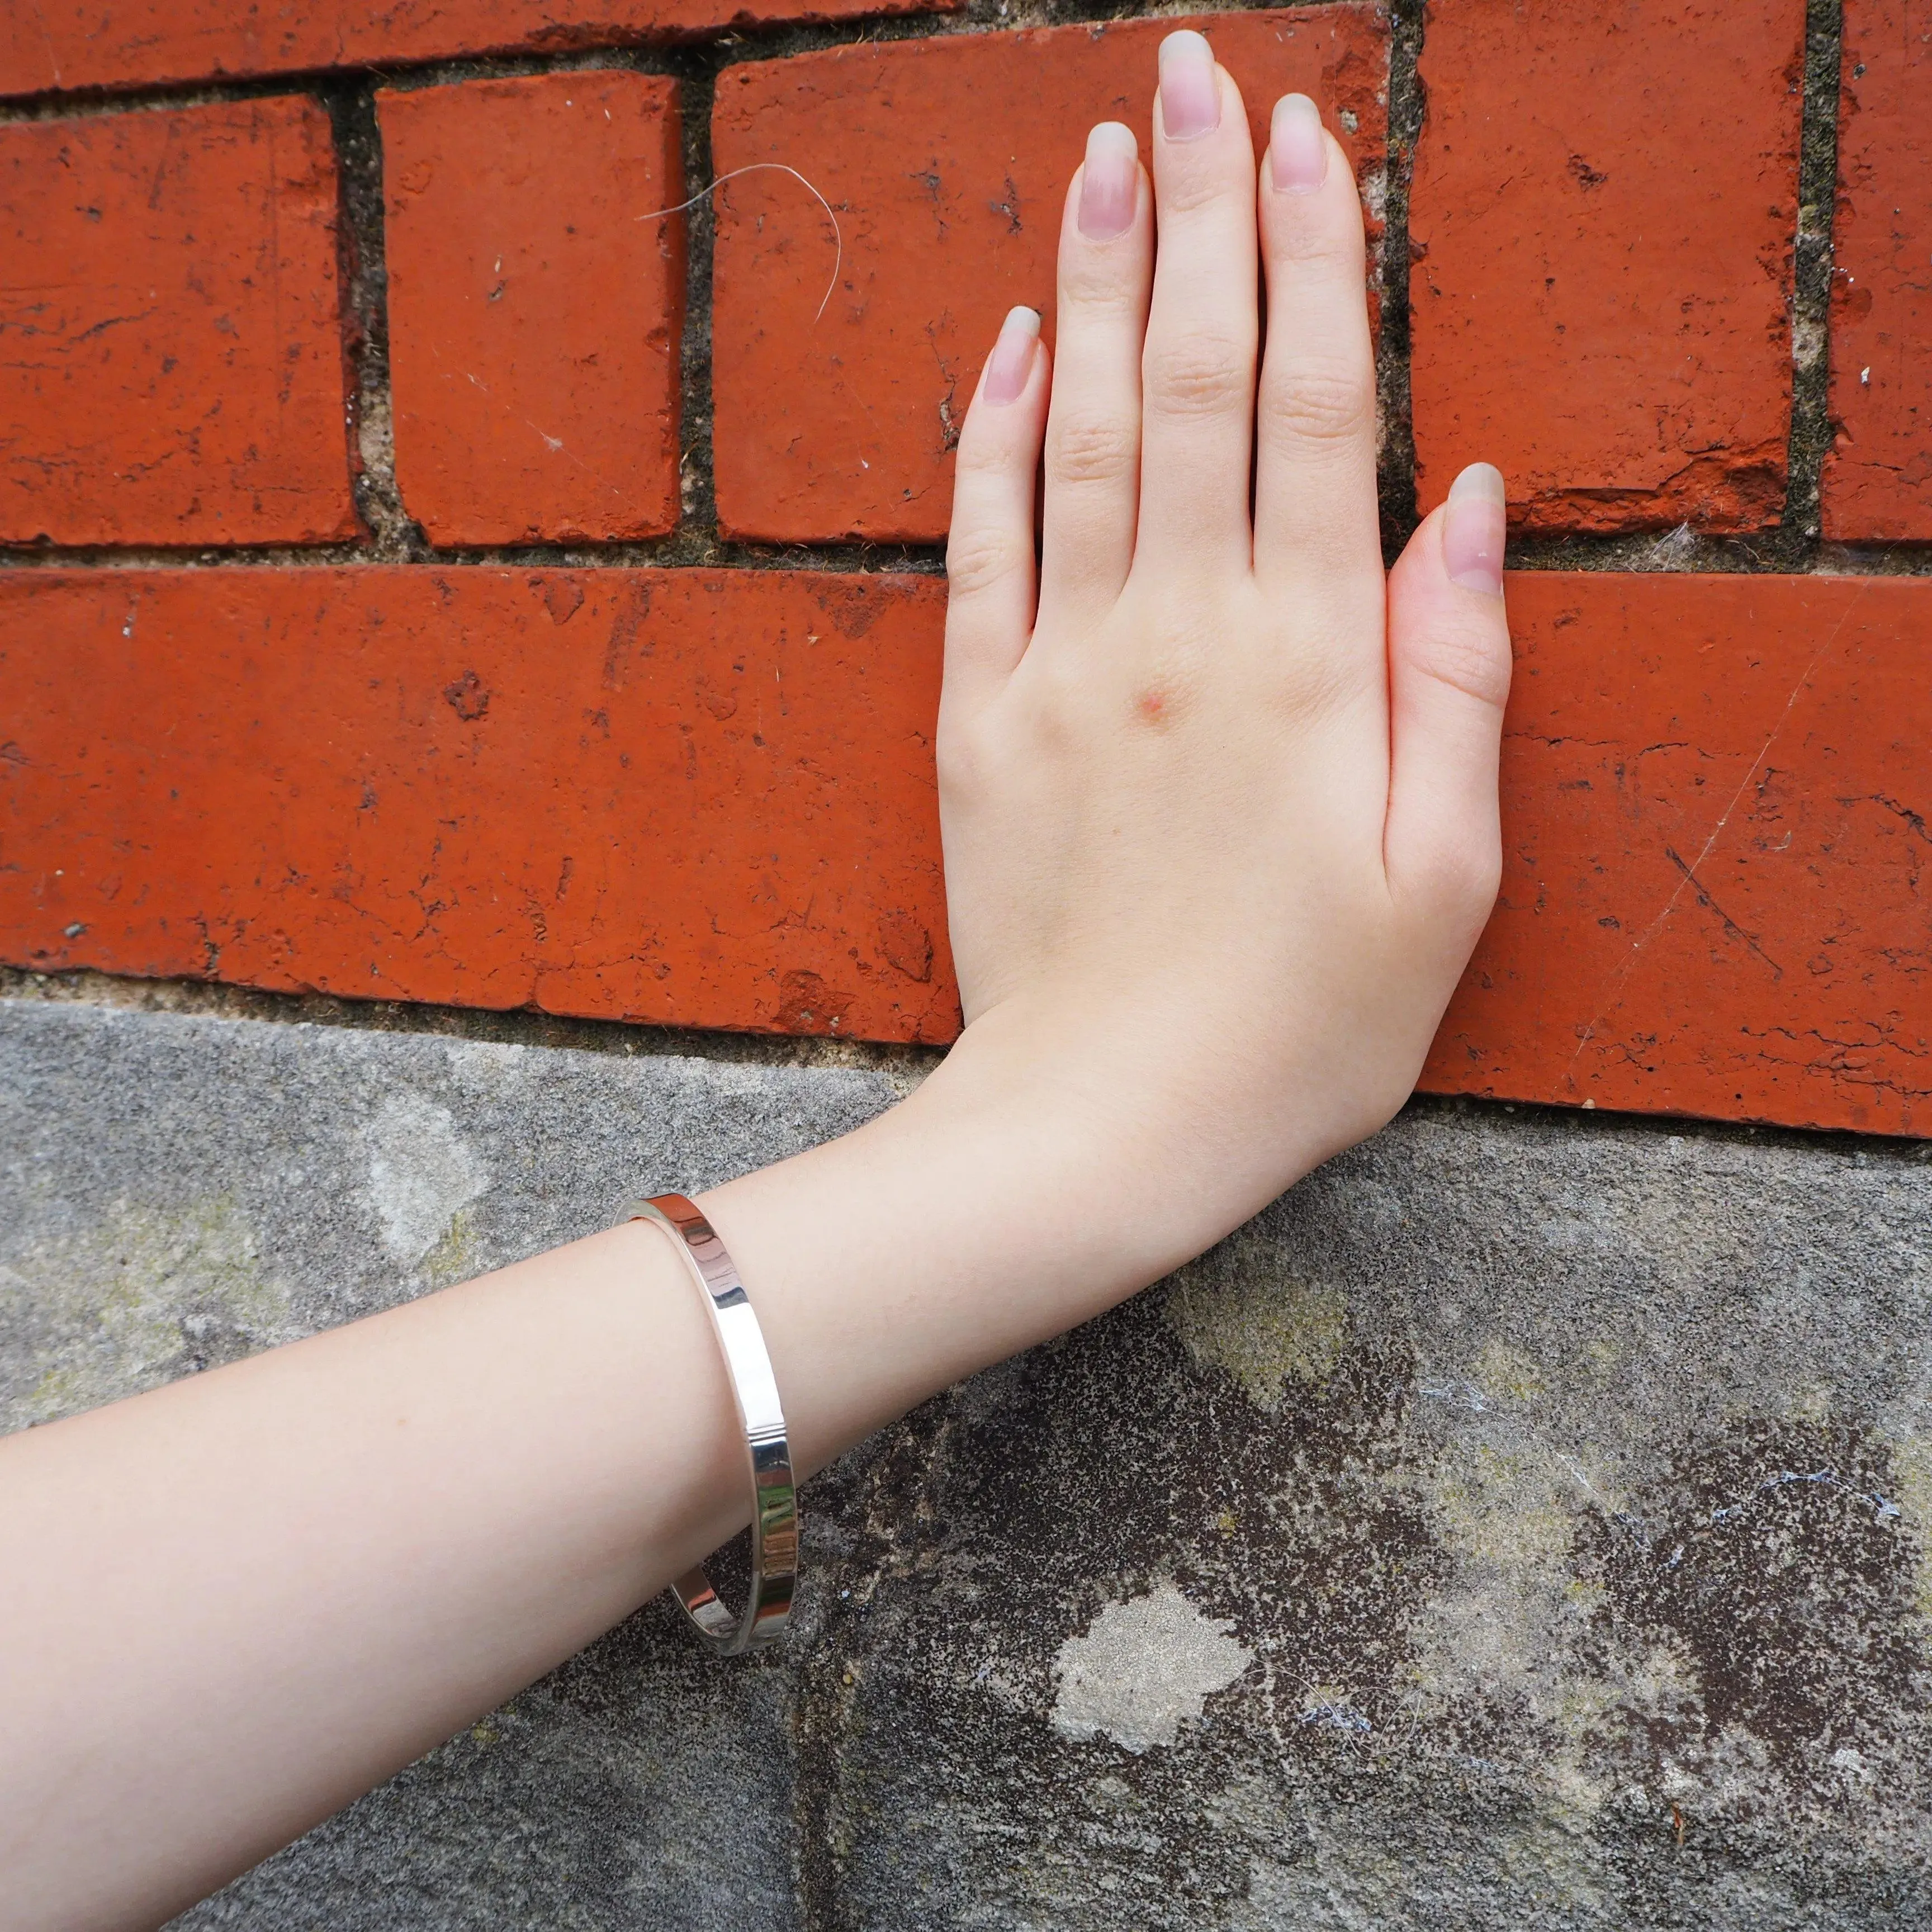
768, 1454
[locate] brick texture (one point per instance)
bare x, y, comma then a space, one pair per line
47, 46
706, 798
1601, 224
947, 160
1717, 890
1878, 475
534, 320
171, 359
699, 798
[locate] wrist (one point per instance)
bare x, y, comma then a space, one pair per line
1178, 1137
980, 1216
1039, 1174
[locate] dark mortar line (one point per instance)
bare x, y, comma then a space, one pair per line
1643, 552
1876, 560
903, 1458
1811, 434
516, 1027
1408, 108
525, 1027
664, 52
1764, 553
393, 537
95, 104
696, 468
688, 549
670, 59
819, 1723
1886, 1149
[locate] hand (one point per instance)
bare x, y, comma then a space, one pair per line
1219, 800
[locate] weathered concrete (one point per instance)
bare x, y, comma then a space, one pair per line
1524, 1524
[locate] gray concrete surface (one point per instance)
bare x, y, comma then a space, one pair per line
1525, 1523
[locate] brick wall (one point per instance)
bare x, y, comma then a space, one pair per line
434, 573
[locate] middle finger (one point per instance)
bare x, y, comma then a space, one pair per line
1198, 371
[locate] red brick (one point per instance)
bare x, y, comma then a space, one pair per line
1878, 474
534, 320
47, 46
171, 363
1718, 891
1601, 225
948, 160
706, 798
699, 798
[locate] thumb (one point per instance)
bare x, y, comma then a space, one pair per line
1449, 674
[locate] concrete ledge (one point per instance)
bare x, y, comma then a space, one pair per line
1522, 1524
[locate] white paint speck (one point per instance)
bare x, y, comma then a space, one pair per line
421, 1173
1143, 1669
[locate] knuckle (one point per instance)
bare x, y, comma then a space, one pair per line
1059, 720
1199, 376
976, 559
1184, 189
1319, 403
1325, 247
1097, 449
1463, 877
980, 451
973, 760
1473, 660
1099, 287
959, 760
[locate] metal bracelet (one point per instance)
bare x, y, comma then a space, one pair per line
774, 1498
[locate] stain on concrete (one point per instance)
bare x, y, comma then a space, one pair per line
1271, 1331
140, 1298
421, 1173
1142, 1668
1103, 1472
1774, 1567
1910, 1451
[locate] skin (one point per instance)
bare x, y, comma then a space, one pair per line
1219, 806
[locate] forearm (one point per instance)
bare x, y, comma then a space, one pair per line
230, 1607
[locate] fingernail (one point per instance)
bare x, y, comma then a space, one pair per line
1011, 362
1190, 91
1297, 148
1473, 529
1110, 184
